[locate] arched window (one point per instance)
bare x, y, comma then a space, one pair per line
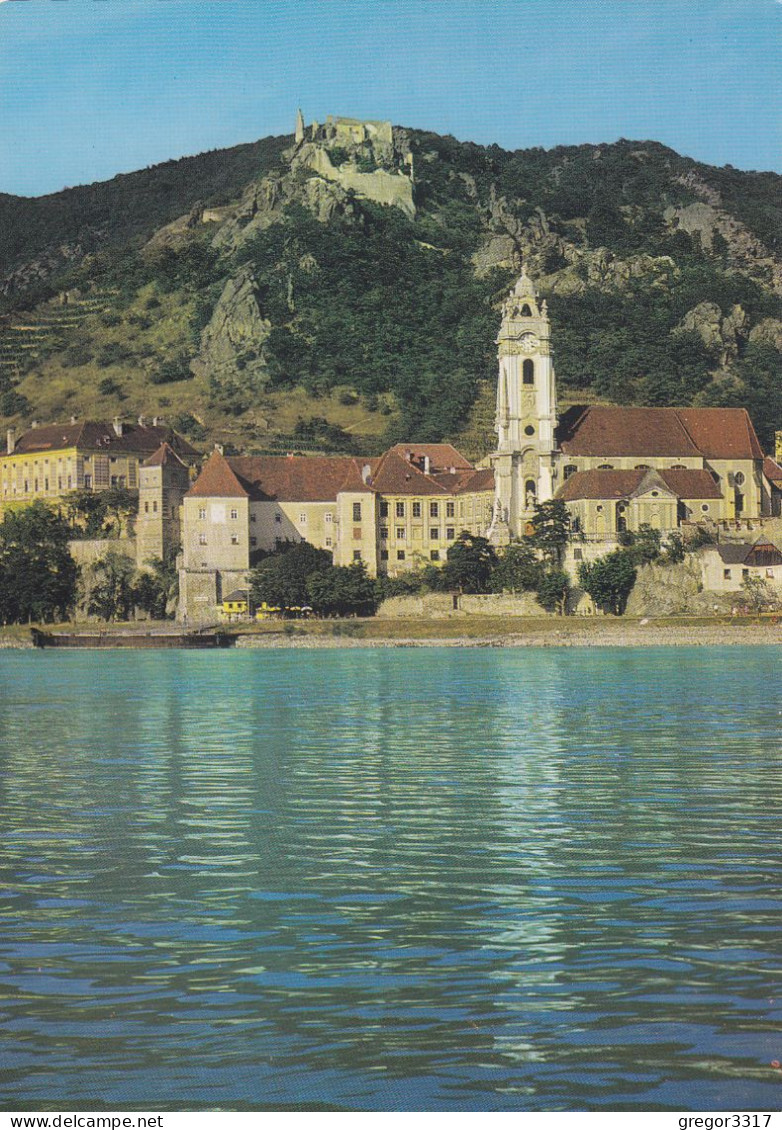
570, 469
528, 372
525, 311
605, 467
642, 467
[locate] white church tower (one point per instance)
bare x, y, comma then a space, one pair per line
526, 413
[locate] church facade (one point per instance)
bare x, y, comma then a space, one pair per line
616, 469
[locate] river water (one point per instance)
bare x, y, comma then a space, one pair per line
391, 879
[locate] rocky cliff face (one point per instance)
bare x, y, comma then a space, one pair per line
232, 344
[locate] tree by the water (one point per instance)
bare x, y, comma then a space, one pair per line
37, 572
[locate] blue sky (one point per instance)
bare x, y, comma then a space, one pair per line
90, 88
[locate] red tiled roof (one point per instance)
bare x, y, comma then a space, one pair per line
464, 482
624, 484
298, 478
441, 456
691, 484
91, 435
772, 470
217, 480
164, 454
623, 431
713, 433
721, 433
395, 475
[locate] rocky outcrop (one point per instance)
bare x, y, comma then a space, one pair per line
232, 343
720, 334
672, 590
704, 219
767, 332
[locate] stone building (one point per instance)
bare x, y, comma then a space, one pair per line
164, 480
615, 467
49, 462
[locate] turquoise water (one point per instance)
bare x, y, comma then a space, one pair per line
391, 879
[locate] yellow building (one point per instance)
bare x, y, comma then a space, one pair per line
394, 513
49, 462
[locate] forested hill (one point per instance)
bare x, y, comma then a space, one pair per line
274, 298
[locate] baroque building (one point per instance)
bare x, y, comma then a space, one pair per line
615, 468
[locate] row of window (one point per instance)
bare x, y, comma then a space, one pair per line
415, 509
401, 555
434, 533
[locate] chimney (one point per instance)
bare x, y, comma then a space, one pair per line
366, 472
426, 464
141, 421
117, 425
11, 440
219, 448
155, 421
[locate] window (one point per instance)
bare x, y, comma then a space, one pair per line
146, 508
570, 469
329, 518
302, 519
400, 555
356, 554
400, 509
384, 555
416, 509
726, 574
605, 467
642, 467
450, 533
253, 541
678, 467
528, 372
87, 483
356, 511
328, 543
525, 311
202, 512
529, 430
113, 480
234, 539
599, 508
705, 507
745, 573
435, 555
357, 533
278, 517
384, 533
738, 478
434, 510
400, 531
154, 506
234, 512
253, 517
202, 539
434, 533
383, 509
450, 509
577, 555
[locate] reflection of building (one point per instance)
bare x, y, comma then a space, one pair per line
49, 462
615, 467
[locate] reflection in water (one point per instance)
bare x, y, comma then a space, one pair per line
390, 879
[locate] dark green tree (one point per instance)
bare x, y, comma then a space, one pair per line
518, 568
342, 590
471, 561
111, 594
552, 590
609, 580
37, 573
551, 527
280, 580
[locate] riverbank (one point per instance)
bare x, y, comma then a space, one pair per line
461, 632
